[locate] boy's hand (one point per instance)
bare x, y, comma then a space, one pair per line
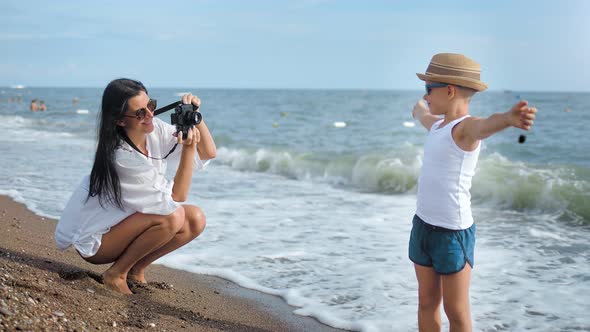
521, 116
420, 110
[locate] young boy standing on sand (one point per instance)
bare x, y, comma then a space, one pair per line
442, 240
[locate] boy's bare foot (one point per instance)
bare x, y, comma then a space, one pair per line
115, 282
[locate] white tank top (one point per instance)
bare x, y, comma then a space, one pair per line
445, 179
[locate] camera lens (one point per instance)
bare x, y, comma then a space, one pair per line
198, 118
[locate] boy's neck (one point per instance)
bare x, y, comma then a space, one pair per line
457, 109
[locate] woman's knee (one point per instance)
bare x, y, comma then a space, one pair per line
174, 221
196, 219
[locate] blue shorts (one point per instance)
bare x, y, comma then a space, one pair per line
445, 250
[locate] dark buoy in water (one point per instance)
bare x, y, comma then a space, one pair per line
521, 139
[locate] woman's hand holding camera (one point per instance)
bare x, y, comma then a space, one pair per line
193, 137
190, 99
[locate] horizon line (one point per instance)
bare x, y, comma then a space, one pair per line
24, 87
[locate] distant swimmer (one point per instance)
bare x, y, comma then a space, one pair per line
42, 106
567, 110
75, 101
34, 106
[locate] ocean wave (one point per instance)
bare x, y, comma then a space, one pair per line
16, 121
390, 172
15, 128
519, 186
499, 182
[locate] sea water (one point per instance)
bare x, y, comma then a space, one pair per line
312, 193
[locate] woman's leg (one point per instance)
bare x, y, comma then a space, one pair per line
429, 298
194, 224
131, 240
456, 299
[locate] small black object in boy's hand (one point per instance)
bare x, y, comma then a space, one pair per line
521, 139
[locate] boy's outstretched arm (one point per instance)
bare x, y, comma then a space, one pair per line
422, 114
474, 129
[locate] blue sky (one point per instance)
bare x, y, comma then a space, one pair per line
318, 44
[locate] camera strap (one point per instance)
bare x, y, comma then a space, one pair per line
167, 108
128, 140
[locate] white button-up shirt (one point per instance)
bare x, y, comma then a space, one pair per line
144, 188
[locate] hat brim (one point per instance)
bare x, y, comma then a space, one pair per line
461, 81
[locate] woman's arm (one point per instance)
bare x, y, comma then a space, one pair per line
199, 140
206, 146
184, 173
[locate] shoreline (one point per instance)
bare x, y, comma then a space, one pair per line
42, 287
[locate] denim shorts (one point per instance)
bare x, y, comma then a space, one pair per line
446, 250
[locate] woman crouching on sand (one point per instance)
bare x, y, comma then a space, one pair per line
126, 212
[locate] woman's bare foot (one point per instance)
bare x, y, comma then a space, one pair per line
137, 276
116, 282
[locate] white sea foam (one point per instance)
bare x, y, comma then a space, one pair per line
14, 194
15, 121
544, 234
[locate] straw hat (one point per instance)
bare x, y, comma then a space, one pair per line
454, 69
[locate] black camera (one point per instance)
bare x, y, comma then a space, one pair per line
185, 116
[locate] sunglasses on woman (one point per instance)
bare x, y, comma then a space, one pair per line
142, 112
431, 86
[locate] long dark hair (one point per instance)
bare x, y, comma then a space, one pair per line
104, 180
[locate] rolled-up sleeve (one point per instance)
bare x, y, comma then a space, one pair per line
143, 188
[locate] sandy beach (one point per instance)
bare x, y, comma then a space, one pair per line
42, 288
